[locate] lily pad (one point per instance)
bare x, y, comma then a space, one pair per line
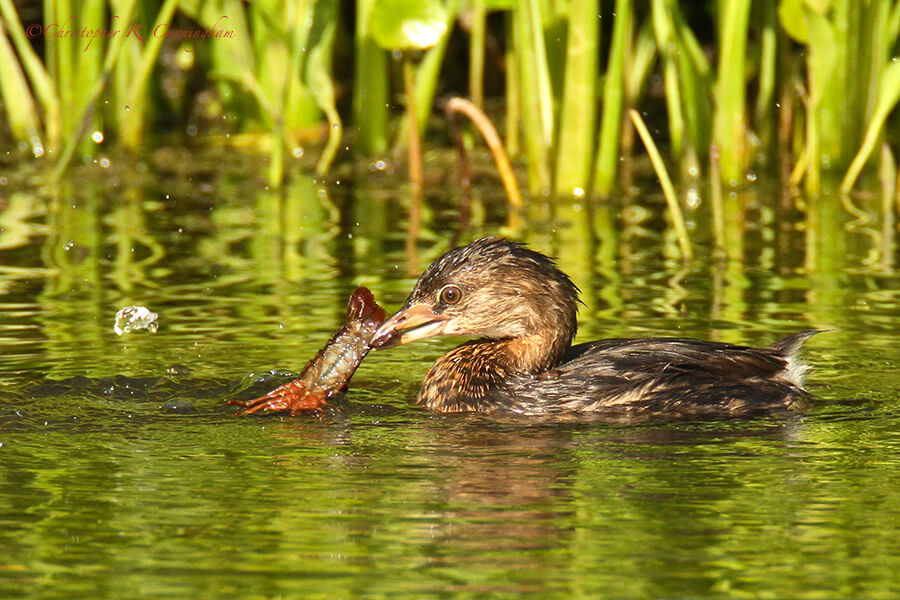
408, 24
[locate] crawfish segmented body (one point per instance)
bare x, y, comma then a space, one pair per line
331, 369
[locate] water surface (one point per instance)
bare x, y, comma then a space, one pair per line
123, 473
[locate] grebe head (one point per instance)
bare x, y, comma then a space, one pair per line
493, 289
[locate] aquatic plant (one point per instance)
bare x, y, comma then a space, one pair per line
739, 86
270, 61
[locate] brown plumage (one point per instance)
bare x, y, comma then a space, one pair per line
523, 309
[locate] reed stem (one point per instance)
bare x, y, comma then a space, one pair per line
513, 95
476, 52
87, 111
536, 100
729, 124
665, 182
136, 99
613, 101
492, 139
889, 95
415, 147
575, 146
18, 102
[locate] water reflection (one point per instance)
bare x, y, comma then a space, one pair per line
228, 263
373, 492
123, 468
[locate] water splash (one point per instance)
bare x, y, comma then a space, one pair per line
133, 318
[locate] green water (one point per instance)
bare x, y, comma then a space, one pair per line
123, 473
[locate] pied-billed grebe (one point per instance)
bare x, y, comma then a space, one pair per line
523, 309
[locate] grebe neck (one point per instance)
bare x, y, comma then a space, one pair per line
463, 379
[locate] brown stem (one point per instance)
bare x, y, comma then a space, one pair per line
492, 139
465, 176
415, 166
415, 144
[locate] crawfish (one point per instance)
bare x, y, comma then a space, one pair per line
331, 369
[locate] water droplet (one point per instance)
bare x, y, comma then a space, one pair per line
578, 192
69, 245
693, 198
104, 162
298, 152
191, 130
693, 171
97, 136
132, 318
38, 150
127, 108
751, 176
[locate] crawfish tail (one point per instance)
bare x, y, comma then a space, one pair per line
336, 363
362, 306
333, 366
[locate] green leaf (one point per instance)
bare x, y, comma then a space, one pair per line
408, 24
20, 107
888, 96
823, 54
319, 79
790, 12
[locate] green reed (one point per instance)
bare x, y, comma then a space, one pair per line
21, 111
613, 100
371, 86
815, 76
576, 141
729, 124
273, 71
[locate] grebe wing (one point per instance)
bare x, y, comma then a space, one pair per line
652, 356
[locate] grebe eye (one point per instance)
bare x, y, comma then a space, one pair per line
450, 294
